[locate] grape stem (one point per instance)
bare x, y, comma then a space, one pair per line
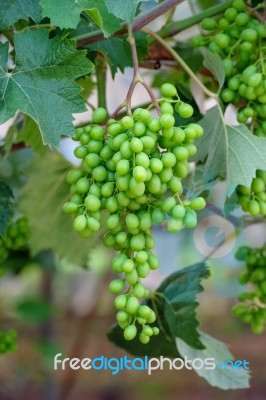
137, 78
180, 61
255, 13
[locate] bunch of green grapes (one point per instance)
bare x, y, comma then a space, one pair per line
133, 168
16, 239
253, 198
8, 341
240, 40
252, 306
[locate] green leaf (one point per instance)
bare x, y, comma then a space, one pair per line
224, 150
25, 130
42, 83
214, 64
125, 10
66, 14
6, 207
118, 53
13, 10
158, 346
179, 292
174, 304
42, 200
199, 183
218, 377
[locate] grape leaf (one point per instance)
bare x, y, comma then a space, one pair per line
159, 345
42, 83
125, 10
42, 199
174, 304
25, 130
13, 10
179, 292
66, 14
218, 377
6, 207
117, 51
214, 64
224, 150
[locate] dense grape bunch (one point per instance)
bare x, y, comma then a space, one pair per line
253, 198
252, 306
133, 168
16, 239
8, 341
240, 40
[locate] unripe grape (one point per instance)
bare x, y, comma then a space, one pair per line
130, 332
144, 339
80, 223
198, 203
141, 256
120, 302
127, 122
99, 115
139, 173
73, 176
168, 90
208, 24
128, 266
122, 316
190, 219
139, 290
116, 286
70, 207
132, 305
143, 270
167, 121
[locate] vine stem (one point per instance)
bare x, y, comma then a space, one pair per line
176, 27
180, 61
256, 14
137, 24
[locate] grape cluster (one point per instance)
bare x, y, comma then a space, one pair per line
17, 238
133, 168
8, 341
240, 40
253, 199
252, 308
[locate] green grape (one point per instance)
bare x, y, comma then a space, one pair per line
184, 110
130, 332
120, 302
80, 223
81, 152
127, 168
222, 40
168, 90
209, 24
73, 176
99, 115
116, 286
70, 207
